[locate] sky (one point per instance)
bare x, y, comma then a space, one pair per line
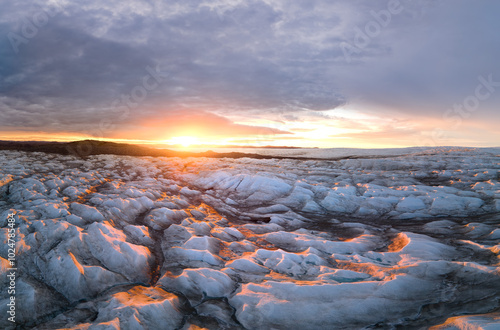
308, 73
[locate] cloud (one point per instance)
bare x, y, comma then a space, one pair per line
434, 62
383, 133
192, 123
237, 58
237, 54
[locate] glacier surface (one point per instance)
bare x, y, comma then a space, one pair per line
398, 238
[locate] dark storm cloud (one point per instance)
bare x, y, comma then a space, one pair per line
232, 56
227, 55
435, 61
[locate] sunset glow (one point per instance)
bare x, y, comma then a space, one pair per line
286, 75
258, 164
184, 141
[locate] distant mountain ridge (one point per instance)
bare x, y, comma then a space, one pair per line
87, 148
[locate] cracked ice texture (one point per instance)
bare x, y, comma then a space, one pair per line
409, 237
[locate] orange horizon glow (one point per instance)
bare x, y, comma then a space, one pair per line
355, 129
305, 140
184, 141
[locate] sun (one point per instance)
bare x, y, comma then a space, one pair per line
184, 141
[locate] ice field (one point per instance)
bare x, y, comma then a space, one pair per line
374, 239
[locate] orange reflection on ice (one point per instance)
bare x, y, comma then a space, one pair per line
77, 264
141, 295
398, 243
